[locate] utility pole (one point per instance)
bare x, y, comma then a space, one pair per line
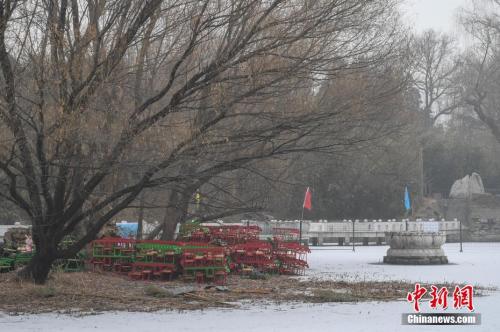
461, 247
353, 245
140, 217
467, 215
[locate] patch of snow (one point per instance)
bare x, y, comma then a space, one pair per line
477, 264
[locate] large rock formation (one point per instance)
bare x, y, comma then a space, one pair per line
467, 186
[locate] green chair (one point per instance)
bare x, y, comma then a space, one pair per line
6, 264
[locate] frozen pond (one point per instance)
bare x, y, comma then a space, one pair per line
475, 265
478, 264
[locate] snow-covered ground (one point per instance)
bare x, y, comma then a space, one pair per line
475, 265
478, 264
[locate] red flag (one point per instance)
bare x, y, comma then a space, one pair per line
307, 200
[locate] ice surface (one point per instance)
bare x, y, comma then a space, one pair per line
478, 264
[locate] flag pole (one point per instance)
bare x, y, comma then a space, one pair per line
300, 225
305, 205
408, 206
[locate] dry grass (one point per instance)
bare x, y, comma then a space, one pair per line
156, 291
88, 292
43, 291
328, 296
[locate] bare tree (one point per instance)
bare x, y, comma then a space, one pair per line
481, 75
434, 77
82, 143
435, 69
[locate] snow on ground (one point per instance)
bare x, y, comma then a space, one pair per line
474, 265
478, 264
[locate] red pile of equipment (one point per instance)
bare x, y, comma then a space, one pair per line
286, 234
233, 234
225, 234
292, 257
113, 254
272, 257
209, 253
256, 254
204, 263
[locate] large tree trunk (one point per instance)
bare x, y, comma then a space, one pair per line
175, 213
39, 267
168, 231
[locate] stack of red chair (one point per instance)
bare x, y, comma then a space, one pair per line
202, 263
292, 257
233, 234
112, 253
257, 254
199, 236
286, 234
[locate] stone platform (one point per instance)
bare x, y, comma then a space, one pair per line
415, 248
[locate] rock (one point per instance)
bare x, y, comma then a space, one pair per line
467, 186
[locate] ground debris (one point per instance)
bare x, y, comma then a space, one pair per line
208, 299
180, 290
83, 293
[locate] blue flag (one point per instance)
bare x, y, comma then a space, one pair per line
407, 199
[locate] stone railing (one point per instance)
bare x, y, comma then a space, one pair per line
341, 231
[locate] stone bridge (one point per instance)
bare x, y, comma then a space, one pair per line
343, 232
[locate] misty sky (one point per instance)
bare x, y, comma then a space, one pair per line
435, 14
